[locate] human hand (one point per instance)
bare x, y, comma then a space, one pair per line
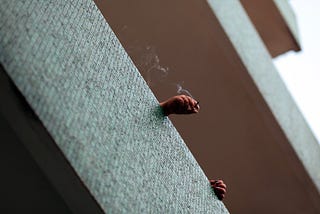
219, 188
180, 104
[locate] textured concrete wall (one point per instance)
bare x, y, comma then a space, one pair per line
73, 71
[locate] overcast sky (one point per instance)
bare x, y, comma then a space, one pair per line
301, 71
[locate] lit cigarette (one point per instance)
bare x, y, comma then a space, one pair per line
197, 105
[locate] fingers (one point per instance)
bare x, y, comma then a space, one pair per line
221, 197
220, 190
180, 104
187, 106
219, 183
219, 187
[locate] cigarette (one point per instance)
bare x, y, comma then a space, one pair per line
197, 105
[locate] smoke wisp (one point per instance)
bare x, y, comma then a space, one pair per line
180, 90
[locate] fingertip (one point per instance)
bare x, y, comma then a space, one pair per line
220, 190
222, 196
222, 185
213, 181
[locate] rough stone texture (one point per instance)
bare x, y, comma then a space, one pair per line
260, 67
76, 76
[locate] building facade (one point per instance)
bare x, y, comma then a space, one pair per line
97, 136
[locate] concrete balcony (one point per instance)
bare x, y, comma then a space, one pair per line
88, 127
112, 149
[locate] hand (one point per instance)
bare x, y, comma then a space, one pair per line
219, 188
180, 104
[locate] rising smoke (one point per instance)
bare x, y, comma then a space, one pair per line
154, 73
180, 90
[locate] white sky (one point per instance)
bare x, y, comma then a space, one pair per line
301, 71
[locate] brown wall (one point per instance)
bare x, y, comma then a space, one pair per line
271, 26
